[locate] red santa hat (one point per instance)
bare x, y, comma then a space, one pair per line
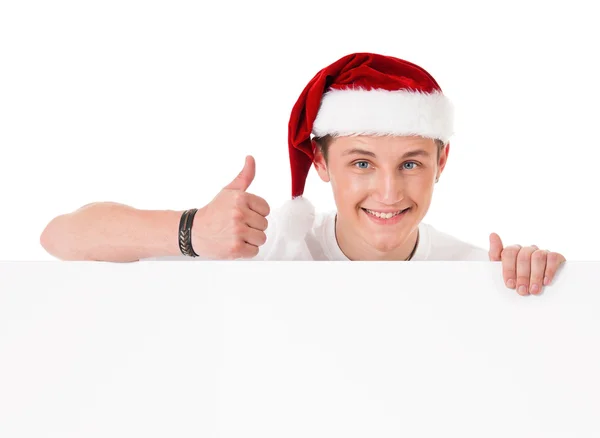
360, 94
365, 94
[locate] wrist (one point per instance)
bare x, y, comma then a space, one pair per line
196, 231
167, 239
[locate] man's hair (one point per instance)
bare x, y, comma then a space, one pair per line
324, 142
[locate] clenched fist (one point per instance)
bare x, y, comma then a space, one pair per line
233, 224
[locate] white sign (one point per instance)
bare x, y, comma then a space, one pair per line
295, 349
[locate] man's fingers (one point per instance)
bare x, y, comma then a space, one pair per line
553, 262
255, 237
496, 248
538, 267
524, 269
509, 265
256, 221
258, 204
245, 177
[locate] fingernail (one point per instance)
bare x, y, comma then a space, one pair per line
522, 289
546, 281
511, 283
534, 288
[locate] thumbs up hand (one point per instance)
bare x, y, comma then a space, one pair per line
233, 224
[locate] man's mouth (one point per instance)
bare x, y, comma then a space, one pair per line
384, 215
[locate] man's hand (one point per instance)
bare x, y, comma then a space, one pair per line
233, 224
526, 269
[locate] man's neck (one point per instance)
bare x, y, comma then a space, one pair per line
357, 249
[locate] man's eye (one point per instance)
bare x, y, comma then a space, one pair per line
362, 164
410, 163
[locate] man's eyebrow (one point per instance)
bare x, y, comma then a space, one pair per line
416, 153
409, 154
357, 151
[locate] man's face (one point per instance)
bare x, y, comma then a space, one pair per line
382, 186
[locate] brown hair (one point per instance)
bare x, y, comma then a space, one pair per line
324, 142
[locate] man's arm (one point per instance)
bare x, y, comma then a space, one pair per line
108, 231
231, 226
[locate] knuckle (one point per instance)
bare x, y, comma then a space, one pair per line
553, 257
539, 256
511, 250
510, 273
238, 230
236, 246
524, 267
524, 256
237, 215
239, 198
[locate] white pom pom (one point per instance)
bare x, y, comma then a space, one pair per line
289, 226
295, 219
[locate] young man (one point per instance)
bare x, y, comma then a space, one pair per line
377, 129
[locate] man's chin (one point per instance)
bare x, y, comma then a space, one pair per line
386, 239
385, 246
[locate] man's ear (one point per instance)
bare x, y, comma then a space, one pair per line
320, 164
443, 160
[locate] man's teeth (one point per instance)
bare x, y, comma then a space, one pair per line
383, 215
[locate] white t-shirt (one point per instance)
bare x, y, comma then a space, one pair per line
320, 243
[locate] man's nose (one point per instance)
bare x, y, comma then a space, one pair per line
390, 188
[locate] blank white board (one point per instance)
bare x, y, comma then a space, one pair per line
296, 349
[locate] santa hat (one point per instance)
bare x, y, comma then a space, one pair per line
363, 94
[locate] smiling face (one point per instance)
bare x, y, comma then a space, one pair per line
382, 188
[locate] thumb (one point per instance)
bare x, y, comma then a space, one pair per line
496, 248
245, 177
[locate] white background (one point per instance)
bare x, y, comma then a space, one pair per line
221, 349
155, 104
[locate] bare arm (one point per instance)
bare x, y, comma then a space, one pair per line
231, 226
112, 232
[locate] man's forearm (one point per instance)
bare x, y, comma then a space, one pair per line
112, 232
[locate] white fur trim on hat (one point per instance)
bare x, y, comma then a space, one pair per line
383, 112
